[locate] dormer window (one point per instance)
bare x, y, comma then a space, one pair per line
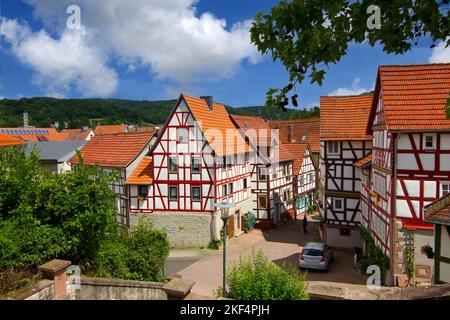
429, 141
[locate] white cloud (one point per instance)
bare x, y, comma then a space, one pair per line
168, 37
440, 53
355, 89
60, 63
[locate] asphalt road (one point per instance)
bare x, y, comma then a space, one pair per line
176, 264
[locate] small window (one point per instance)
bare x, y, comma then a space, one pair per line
195, 165
196, 194
285, 196
224, 190
246, 157
337, 203
182, 135
333, 147
245, 183
262, 202
445, 189
229, 162
311, 178
143, 191
344, 232
262, 174
173, 165
428, 141
173, 193
302, 180
231, 187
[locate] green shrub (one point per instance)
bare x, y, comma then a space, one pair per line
148, 250
214, 244
258, 278
374, 254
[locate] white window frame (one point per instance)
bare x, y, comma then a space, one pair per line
429, 135
182, 135
336, 201
447, 186
333, 150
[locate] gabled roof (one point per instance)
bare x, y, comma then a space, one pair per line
142, 174
413, 96
345, 117
113, 150
217, 121
298, 151
439, 211
58, 151
310, 128
6, 140
111, 129
254, 128
363, 161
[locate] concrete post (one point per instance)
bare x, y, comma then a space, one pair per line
56, 270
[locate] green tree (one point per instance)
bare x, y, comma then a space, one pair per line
258, 278
309, 35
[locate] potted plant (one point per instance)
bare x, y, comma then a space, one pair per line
427, 250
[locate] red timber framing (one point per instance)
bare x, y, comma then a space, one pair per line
306, 183
411, 159
188, 175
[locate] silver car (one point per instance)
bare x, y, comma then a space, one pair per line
316, 255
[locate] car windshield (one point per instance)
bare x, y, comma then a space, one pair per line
312, 252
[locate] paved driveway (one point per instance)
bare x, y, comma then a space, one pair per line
279, 245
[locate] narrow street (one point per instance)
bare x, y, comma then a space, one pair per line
279, 245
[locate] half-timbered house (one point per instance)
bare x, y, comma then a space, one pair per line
283, 176
410, 160
121, 153
343, 140
199, 159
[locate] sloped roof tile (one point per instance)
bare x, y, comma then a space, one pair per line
345, 117
310, 128
114, 150
142, 175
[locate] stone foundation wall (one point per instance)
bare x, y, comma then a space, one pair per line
111, 289
184, 230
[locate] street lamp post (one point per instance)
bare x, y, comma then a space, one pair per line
225, 207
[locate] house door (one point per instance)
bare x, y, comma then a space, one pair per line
237, 221
230, 226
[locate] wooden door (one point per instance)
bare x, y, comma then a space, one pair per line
230, 226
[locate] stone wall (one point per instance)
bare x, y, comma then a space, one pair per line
112, 289
184, 230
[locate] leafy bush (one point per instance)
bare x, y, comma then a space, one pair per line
214, 244
374, 254
258, 278
70, 216
148, 250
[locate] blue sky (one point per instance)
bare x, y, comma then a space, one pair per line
176, 45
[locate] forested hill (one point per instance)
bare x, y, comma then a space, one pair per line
78, 112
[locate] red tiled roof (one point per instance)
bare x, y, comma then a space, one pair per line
363, 161
76, 134
27, 135
345, 117
143, 173
111, 129
217, 122
299, 128
255, 128
414, 96
6, 140
114, 150
298, 150
439, 210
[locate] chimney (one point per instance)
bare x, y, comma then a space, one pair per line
209, 101
25, 120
